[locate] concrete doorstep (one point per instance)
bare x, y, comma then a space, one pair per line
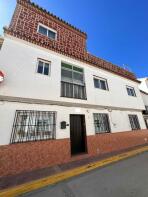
16, 185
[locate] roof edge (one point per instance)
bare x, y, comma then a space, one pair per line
144, 92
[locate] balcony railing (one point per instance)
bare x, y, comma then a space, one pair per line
72, 90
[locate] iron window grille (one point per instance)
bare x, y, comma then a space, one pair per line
33, 125
101, 123
72, 82
131, 91
134, 122
100, 83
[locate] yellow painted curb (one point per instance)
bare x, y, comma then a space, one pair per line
50, 180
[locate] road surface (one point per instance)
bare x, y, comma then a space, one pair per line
127, 178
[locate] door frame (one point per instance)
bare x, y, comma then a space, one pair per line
84, 134
145, 120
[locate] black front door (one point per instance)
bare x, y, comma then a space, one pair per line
77, 134
146, 122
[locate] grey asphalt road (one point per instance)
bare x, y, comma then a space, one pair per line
127, 178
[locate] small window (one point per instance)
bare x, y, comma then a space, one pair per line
1, 42
100, 83
43, 67
52, 34
134, 122
101, 123
43, 30
146, 107
131, 91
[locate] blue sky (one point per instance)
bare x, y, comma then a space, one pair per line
117, 29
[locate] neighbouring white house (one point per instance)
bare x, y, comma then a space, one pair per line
144, 92
144, 84
58, 97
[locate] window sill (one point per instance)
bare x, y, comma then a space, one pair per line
103, 133
52, 39
74, 98
132, 96
102, 89
30, 141
40, 74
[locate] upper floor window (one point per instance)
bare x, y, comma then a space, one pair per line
43, 67
33, 125
50, 33
100, 83
131, 91
72, 81
134, 122
101, 123
72, 74
1, 42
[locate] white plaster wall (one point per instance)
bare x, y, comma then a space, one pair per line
18, 60
118, 119
144, 84
145, 98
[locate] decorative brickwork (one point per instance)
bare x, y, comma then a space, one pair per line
16, 158
106, 143
70, 41
29, 156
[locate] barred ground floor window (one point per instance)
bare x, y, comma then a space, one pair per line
101, 123
135, 125
33, 125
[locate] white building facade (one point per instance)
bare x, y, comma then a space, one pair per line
47, 95
26, 89
144, 84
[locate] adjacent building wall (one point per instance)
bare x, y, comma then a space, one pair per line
145, 98
144, 84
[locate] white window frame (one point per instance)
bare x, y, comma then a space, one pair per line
44, 61
107, 122
101, 79
134, 123
73, 82
48, 28
131, 88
